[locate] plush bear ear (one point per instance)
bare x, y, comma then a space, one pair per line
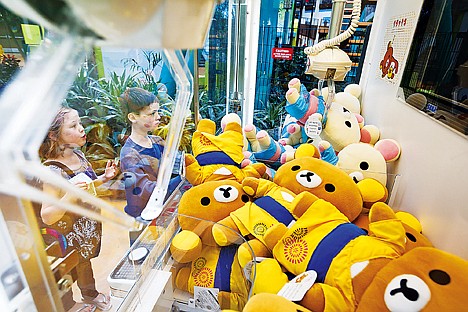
231, 117
353, 89
370, 134
409, 219
206, 125
390, 149
349, 101
307, 150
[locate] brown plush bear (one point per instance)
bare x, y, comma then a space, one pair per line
199, 260
423, 279
330, 183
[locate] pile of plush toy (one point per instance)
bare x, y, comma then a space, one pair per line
314, 221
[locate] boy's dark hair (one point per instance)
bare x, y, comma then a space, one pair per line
133, 100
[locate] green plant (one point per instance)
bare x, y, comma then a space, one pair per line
271, 116
145, 74
213, 110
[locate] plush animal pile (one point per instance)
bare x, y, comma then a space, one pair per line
302, 223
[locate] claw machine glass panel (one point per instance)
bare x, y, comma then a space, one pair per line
65, 64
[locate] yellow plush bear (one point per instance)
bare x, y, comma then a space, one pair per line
199, 260
344, 256
219, 157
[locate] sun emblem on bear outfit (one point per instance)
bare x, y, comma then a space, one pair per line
203, 277
295, 251
205, 141
299, 233
199, 263
260, 229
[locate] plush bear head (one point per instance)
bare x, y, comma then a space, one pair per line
219, 157
362, 160
198, 208
330, 183
210, 201
342, 127
423, 279
349, 98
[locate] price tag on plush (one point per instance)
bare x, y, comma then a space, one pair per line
206, 298
313, 126
296, 289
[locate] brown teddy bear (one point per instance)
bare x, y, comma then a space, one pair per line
199, 260
328, 182
423, 279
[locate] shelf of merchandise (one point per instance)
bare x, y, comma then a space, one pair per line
355, 46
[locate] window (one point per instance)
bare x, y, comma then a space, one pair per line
436, 74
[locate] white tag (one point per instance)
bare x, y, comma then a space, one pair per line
80, 177
206, 298
313, 126
296, 289
83, 177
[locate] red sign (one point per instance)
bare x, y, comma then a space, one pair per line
282, 53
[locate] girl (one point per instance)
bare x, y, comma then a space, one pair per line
60, 151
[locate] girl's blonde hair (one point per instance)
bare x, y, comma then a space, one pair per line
50, 147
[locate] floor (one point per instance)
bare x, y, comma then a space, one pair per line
115, 243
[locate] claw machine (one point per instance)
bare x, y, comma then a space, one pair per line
414, 82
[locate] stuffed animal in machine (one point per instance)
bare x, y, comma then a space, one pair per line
329, 182
342, 122
344, 256
362, 160
292, 133
200, 261
264, 148
301, 104
349, 97
218, 157
272, 204
413, 229
423, 279
268, 302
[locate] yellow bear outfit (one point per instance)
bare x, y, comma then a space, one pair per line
218, 157
324, 240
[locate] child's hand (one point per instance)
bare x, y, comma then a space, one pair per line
111, 170
82, 185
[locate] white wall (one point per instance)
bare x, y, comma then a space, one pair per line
434, 160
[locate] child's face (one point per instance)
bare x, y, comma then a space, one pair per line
148, 118
72, 133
